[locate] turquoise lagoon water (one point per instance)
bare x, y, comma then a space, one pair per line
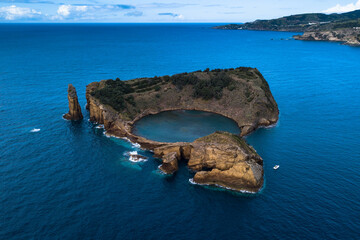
182, 126
69, 181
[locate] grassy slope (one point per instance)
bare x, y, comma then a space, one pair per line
228, 87
300, 22
241, 94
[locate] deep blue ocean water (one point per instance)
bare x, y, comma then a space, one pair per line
69, 181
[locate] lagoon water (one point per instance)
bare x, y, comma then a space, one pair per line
182, 126
69, 181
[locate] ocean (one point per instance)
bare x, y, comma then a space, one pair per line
70, 181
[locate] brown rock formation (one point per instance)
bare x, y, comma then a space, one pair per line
170, 163
74, 106
248, 101
221, 159
346, 36
226, 160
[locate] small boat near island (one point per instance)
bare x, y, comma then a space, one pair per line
276, 167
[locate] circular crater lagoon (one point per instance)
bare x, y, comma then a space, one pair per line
182, 125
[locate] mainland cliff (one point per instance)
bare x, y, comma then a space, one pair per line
347, 36
74, 106
222, 159
344, 27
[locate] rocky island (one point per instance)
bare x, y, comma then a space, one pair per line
221, 159
343, 27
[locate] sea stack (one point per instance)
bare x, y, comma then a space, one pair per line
74, 106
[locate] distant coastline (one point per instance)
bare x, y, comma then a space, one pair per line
343, 27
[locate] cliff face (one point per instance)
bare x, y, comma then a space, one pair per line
74, 106
344, 27
170, 163
347, 36
241, 94
221, 159
226, 160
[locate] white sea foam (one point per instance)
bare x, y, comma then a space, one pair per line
107, 135
162, 172
126, 139
35, 130
135, 157
135, 145
64, 118
110, 135
191, 180
92, 121
277, 124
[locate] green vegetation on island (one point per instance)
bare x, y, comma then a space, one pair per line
241, 94
221, 159
207, 84
343, 27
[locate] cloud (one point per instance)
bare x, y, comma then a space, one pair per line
166, 5
174, 15
233, 12
28, 1
134, 14
343, 8
15, 13
213, 5
107, 6
65, 11
88, 11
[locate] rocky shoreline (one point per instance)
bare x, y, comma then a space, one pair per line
344, 27
220, 159
346, 36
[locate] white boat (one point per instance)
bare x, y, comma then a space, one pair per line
35, 130
276, 167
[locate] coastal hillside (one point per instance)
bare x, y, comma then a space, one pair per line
241, 94
343, 27
302, 22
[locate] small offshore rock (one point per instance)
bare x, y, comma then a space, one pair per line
74, 106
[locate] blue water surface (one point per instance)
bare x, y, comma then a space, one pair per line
182, 125
69, 181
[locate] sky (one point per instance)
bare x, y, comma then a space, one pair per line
128, 11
